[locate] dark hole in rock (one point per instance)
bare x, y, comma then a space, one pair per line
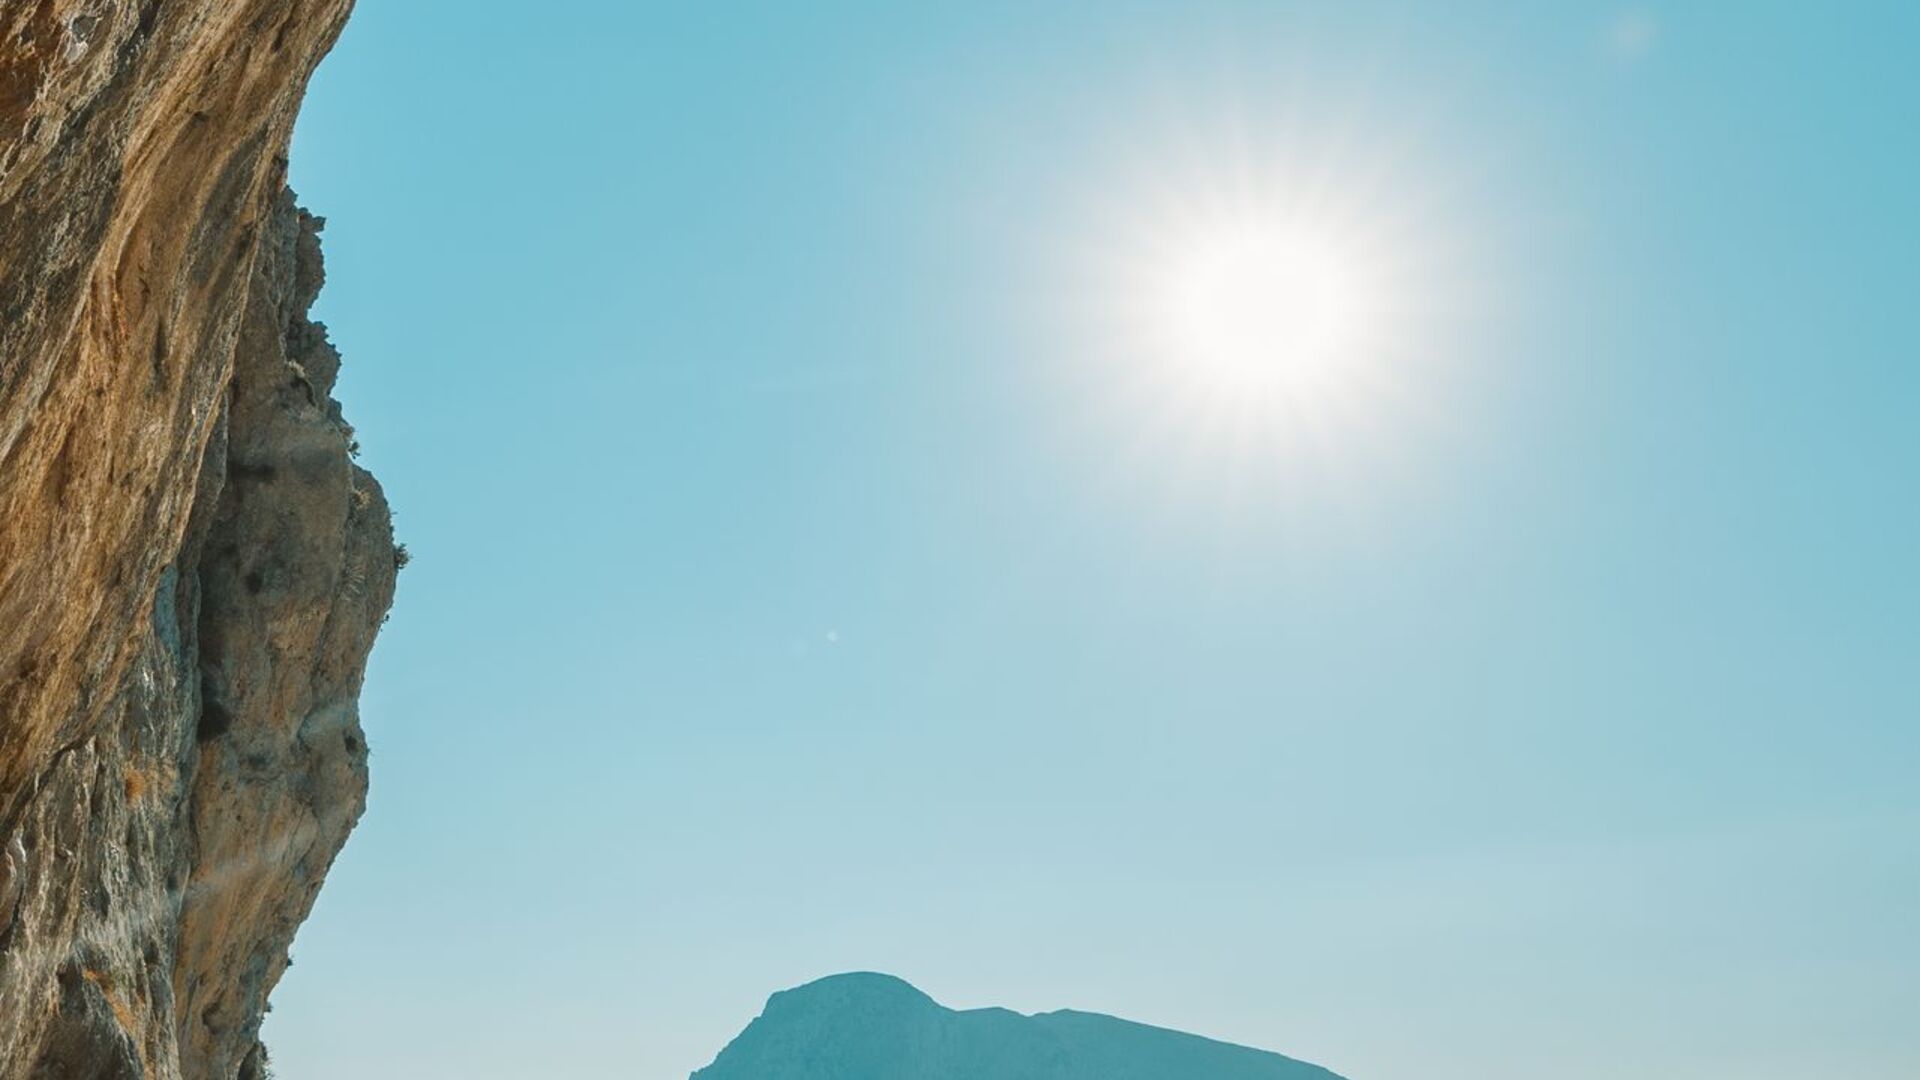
215, 721
261, 473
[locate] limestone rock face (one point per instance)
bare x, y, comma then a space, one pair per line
192, 568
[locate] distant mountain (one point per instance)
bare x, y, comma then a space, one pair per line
876, 1027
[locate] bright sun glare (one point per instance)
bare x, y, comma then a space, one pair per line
1251, 303
1262, 304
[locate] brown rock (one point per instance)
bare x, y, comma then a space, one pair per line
192, 568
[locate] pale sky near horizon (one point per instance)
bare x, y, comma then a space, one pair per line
812, 571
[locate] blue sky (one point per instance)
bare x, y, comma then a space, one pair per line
800, 585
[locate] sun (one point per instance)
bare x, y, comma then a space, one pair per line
1282, 315
1262, 303
1253, 295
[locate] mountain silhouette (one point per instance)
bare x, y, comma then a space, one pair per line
875, 1027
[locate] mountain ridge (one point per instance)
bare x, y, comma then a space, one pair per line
873, 1026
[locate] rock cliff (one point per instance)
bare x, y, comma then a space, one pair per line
875, 1027
192, 567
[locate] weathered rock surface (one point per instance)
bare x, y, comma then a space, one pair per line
875, 1027
192, 568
